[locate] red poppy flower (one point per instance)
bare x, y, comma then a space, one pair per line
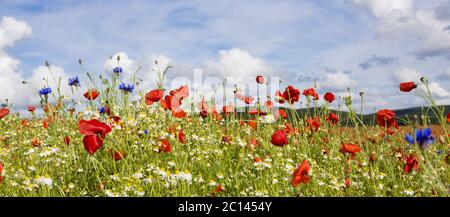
291, 94
411, 163
94, 132
256, 112
279, 138
351, 149
3, 112
289, 129
281, 113
170, 103
154, 96
182, 137
407, 86
279, 97
257, 159
228, 109
91, 94
313, 124
332, 118
251, 123
311, 92
93, 127
174, 100
386, 117
31, 108
92, 143
35, 142
329, 97
181, 92
300, 175
180, 113
24, 123
247, 99
164, 145
45, 124
448, 117
259, 79
254, 142
67, 140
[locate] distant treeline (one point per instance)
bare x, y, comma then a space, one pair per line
402, 115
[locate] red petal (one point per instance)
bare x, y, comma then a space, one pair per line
93, 127
3, 112
92, 143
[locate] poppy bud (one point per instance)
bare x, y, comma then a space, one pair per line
67, 140
3, 112
407, 86
259, 79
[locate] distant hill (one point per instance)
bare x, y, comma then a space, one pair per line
401, 114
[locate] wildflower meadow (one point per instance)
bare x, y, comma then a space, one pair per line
110, 138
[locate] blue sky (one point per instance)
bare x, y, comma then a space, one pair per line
368, 45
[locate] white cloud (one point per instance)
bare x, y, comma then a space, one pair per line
419, 29
11, 78
236, 64
406, 75
12, 30
338, 81
384, 8
437, 90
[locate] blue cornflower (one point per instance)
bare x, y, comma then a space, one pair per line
145, 131
126, 88
74, 81
423, 137
102, 110
45, 91
118, 70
